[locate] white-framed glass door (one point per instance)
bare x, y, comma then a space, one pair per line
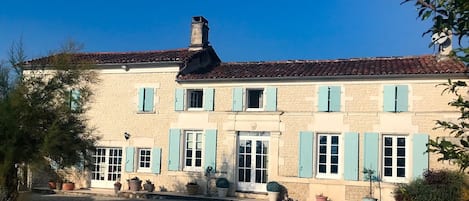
107, 167
252, 171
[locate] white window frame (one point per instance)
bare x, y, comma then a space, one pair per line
193, 166
147, 159
394, 147
328, 155
188, 100
261, 102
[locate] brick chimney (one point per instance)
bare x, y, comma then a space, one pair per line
199, 35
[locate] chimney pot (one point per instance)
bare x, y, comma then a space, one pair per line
199, 33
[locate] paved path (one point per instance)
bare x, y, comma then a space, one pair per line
70, 197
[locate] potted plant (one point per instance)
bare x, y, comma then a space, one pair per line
222, 186
117, 187
52, 184
68, 186
192, 188
135, 184
369, 176
148, 186
273, 190
321, 197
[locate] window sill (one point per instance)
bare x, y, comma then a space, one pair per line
144, 170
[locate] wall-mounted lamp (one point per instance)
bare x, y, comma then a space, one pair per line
126, 135
125, 67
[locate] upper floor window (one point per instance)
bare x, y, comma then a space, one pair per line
394, 157
255, 99
329, 99
146, 99
194, 99
395, 98
328, 155
144, 159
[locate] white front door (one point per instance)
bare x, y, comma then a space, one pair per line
107, 166
253, 149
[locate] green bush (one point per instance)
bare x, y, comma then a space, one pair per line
222, 183
273, 186
434, 186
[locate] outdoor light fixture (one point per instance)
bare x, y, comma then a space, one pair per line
125, 67
126, 135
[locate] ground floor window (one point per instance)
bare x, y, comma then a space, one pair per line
394, 157
193, 150
328, 156
144, 159
107, 166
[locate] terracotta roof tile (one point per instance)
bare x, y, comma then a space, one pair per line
379, 66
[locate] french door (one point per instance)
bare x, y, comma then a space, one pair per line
252, 172
107, 167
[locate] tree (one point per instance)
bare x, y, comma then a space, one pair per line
38, 121
451, 17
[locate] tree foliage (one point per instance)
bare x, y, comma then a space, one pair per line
38, 121
451, 17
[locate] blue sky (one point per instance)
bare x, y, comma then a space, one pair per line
242, 30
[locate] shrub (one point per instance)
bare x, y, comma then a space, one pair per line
273, 186
222, 183
434, 186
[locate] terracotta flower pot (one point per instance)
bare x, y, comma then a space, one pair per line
52, 185
321, 198
68, 186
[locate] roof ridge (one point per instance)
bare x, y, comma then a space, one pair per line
134, 52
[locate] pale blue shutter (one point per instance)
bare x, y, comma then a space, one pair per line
371, 150
419, 156
149, 96
129, 159
210, 148
402, 98
305, 166
141, 99
156, 160
271, 96
351, 156
174, 149
237, 99
75, 97
208, 99
334, 98
323, 99
389, 98
179, 100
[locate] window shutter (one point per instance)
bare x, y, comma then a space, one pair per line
174, 150
237, 99
351, 156
271, 96
179, 100
402, 98
156, 160
335, 99
371, 150
389, 97
323, 98
149, 96
74, 98
129, 159
305, 167
141, 95
208, 99
419, 156
210, 157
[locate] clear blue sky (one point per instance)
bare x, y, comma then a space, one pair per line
242, 30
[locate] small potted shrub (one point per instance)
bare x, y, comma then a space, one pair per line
222, 186
192, 188
321, 197
369, 176
148, 186
117, 187
273, 189
68, 186
135, 184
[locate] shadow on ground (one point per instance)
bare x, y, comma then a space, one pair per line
61, 197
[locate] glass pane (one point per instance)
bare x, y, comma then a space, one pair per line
248, 160
198, 154
387, 172
265, 147
189, 137
254, 98
335, 139
248, 175
241, 161
334, 150
264, 162
264, 176
198, 145
188, 162
258, 176
322, 158
400, 151
189, 145
334, 159
258, 147
242, 146
322, 168
258, 161
322, 139
334, 169
248, 146
388, 161
189, 153
387, 141
240, 175
401, 162
198, 162
401, 172
388, 152
400, 141
322, 149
